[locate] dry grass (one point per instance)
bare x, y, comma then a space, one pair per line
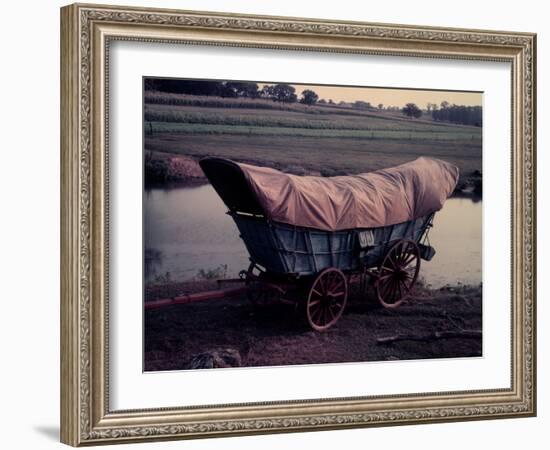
318, 155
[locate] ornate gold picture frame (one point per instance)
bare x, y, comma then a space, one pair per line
87, 32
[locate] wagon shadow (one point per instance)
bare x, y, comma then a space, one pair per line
276, 319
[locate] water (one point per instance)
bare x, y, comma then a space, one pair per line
186, 230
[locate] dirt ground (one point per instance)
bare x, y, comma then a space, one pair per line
231, 332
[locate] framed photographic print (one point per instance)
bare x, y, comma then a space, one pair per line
275, 224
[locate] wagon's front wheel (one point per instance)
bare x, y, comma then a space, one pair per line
398, 273
327, 299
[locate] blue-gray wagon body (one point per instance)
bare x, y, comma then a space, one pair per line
288, 249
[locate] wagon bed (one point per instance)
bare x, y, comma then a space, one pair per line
300, 251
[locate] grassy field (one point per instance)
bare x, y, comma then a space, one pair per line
326, 140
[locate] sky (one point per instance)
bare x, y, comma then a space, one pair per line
392, 97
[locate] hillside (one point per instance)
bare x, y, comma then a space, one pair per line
327, 140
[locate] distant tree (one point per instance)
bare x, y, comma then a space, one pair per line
342, 103
150, 84
380, 106
444, 104
466, 115
322, 101
330, 101
309, 97
360, 104
284, 93
191, 87
411, 110
267, 92
243, 89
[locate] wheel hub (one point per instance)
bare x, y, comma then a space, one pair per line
401, 275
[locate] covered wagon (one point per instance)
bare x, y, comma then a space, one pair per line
308, 236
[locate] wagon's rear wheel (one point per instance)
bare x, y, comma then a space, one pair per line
398, 273
259, 292
327, 299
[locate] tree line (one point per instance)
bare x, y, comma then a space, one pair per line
281, 92
459, 114
465, 115
286, 93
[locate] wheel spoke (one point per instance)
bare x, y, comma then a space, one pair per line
399, 262
319, 319
387, 294
384, 290
333, 280
393, 291
385, 277
324, 316
326, 283
409, 260
321, 285
399, 288
397, 292
399, 253
315, 291
330, 315
404, 251
316, 314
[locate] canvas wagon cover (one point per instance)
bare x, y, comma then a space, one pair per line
383, 197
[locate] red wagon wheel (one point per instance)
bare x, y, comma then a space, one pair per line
327, 299
398, 273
